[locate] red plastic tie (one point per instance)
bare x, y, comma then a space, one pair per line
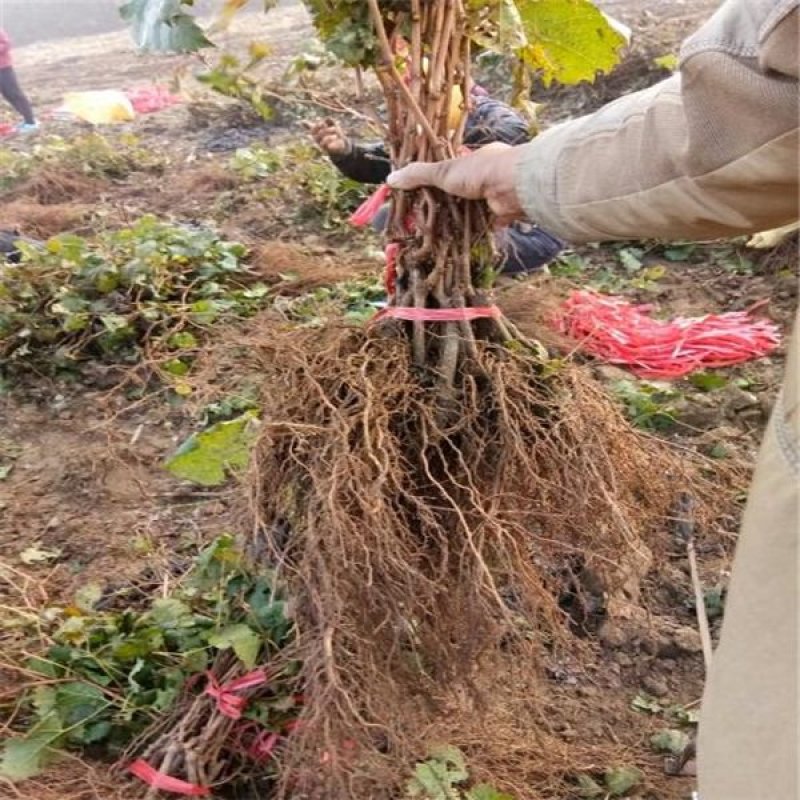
366, 212
165, 783
229, 703
410, 314
390, 276
148, 99
263, 747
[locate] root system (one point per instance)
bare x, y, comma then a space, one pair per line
424, 536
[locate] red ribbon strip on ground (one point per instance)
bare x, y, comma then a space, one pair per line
438, 314
149, 99
158, 780
621, 333
229, 703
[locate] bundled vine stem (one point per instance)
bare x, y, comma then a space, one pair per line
440, 235
441, 500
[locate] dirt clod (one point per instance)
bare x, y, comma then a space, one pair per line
655, 685
687, 640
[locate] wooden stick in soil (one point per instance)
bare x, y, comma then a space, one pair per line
700, 604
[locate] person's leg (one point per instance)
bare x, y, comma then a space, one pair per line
525, 248
11, 91
748, 747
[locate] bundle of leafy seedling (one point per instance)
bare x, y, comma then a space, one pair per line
111, 664
431, 491
144, 296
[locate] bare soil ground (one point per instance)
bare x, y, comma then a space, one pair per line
86, 482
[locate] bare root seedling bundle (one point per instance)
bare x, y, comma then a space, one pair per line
424, 547
432, 492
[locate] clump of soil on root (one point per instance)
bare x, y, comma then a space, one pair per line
429, 542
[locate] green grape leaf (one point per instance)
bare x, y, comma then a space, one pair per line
88, 596
26, 757
207, 457
620, 780
568, 40
243, 640
589, 788
708, 381
670, 741
163, 26
439, 776
668, 61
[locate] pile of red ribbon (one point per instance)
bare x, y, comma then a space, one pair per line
622, 333
149, 99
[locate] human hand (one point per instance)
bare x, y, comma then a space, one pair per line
485, 174
330, 137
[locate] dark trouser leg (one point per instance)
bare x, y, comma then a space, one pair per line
10, 90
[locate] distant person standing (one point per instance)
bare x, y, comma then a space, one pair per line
10, 89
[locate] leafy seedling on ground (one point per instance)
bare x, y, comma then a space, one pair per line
650, 406
105, 674
151, 291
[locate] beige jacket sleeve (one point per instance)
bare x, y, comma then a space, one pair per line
710, 152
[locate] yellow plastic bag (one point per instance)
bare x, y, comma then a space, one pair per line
103, 107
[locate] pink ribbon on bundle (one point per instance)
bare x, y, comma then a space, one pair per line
229, 703
438, 314
165, 783
366, 212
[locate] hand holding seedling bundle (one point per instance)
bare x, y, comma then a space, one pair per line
487, 174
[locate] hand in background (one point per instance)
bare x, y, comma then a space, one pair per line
330, 137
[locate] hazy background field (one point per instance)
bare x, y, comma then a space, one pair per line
30, 21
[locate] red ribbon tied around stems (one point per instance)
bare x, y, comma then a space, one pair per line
229, 702
410, 314
263, 747
366, 212
165, 783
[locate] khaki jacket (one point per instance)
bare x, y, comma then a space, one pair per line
710, 152
713, 151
